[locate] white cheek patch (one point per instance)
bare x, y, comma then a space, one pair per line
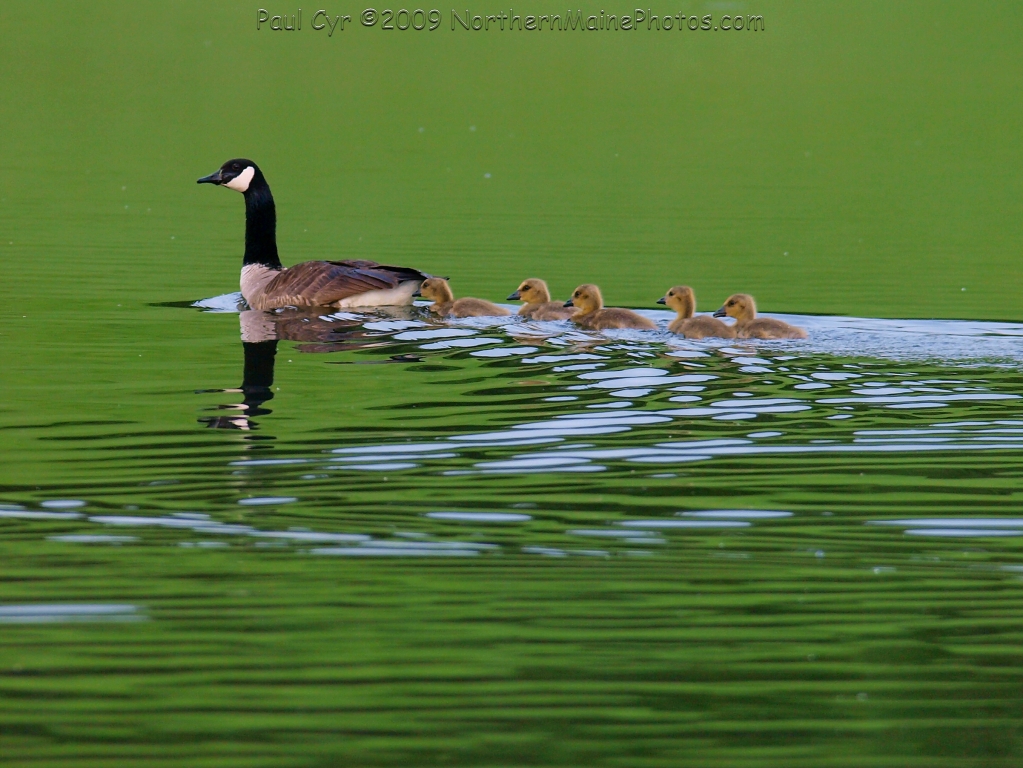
240, 183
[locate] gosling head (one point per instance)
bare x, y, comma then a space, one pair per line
532, 291
680, 298
740, 306
238, 174
435, 289
587, 298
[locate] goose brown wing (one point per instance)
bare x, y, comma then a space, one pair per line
324, 282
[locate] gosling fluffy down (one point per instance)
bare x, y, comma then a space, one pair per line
538, 304
682, 299
743, 308
444, 304
587, 299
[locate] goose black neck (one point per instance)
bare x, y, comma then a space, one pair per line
260, 225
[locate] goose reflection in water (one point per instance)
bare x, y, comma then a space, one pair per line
261, 331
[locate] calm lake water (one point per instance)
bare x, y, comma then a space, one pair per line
504, 543
372, 539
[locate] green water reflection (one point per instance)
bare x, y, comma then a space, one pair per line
523, 545
355, 540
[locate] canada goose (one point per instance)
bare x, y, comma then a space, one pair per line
538, 304
266, 284
743, 308
591, 313
438, 290
682, 299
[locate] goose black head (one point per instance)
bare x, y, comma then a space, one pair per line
244, 176
235, 174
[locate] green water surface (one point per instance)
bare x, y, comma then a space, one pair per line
851, 159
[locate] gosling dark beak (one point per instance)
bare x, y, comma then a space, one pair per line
721, 313
217, 177
569, 303
661, 300
515, 297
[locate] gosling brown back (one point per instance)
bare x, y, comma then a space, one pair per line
682, 299
591, 314
444, 303
743, 308
538, 304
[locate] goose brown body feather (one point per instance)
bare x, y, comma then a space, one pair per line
330, 284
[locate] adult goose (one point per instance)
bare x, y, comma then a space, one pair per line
266, 284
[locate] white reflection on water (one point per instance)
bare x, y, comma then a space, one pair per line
903, 340
433, 333
692, 524
559, 459
382, 466
643, 385
966, 532
46, 613
407, 544
739, 514
503, 352
28, 514
954, 527
481, 517
265, 501
62, 504
85, 538
611, 533
355, 544
392, 325
476, 341
392, 552
201, 523
555, 552
390, 548
848, 390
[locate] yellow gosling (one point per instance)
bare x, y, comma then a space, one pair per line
437, 290
538, 304
743, 308
682, 299
587, 299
